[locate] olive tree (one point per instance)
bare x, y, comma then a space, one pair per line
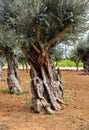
82, 52
40, 25
7, 40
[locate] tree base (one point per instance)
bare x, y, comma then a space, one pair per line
14, 85
47, 94
46, 83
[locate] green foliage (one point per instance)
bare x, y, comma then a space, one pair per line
69, 63
20, 56
18, 19
7, 37
53, 16
82, 116
56, 53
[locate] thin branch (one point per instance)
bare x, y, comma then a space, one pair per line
36, 49
59, 36
25, 52
29, 56
38, 34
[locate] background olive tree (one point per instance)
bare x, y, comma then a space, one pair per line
7, 46
82, 53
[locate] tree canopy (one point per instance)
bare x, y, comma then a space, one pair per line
52, 17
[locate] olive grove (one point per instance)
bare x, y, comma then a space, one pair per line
39, 25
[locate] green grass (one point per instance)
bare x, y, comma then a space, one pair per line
82, 116
73, 121
68, 63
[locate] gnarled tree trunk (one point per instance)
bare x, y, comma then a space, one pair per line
1, 66
13, 79
46, 83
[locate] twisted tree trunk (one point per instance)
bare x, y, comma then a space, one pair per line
1, 66
46, 82
13, 79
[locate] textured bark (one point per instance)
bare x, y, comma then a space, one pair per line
46, 83
86, 64
59, 36
1, 66
13, 79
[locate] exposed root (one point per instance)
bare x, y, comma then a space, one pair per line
49, 110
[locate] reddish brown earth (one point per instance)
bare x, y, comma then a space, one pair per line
15, 113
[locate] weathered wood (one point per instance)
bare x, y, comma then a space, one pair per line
36, 49
46, 84
13, 79
38, 35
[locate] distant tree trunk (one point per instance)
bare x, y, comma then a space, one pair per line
1, 66
13, 79
77, 63
25, 65
86, 66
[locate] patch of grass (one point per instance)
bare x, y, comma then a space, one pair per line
62, 108
4, 91
82, 116
0, 92
68, 63
67, 98
22, 93
66, 102
13, 95
73, 121
19, 93
27, 99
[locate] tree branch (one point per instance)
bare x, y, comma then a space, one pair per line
38, 34
36, 49
59, 36
25, 52
30, 56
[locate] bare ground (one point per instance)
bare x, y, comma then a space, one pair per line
15, 113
